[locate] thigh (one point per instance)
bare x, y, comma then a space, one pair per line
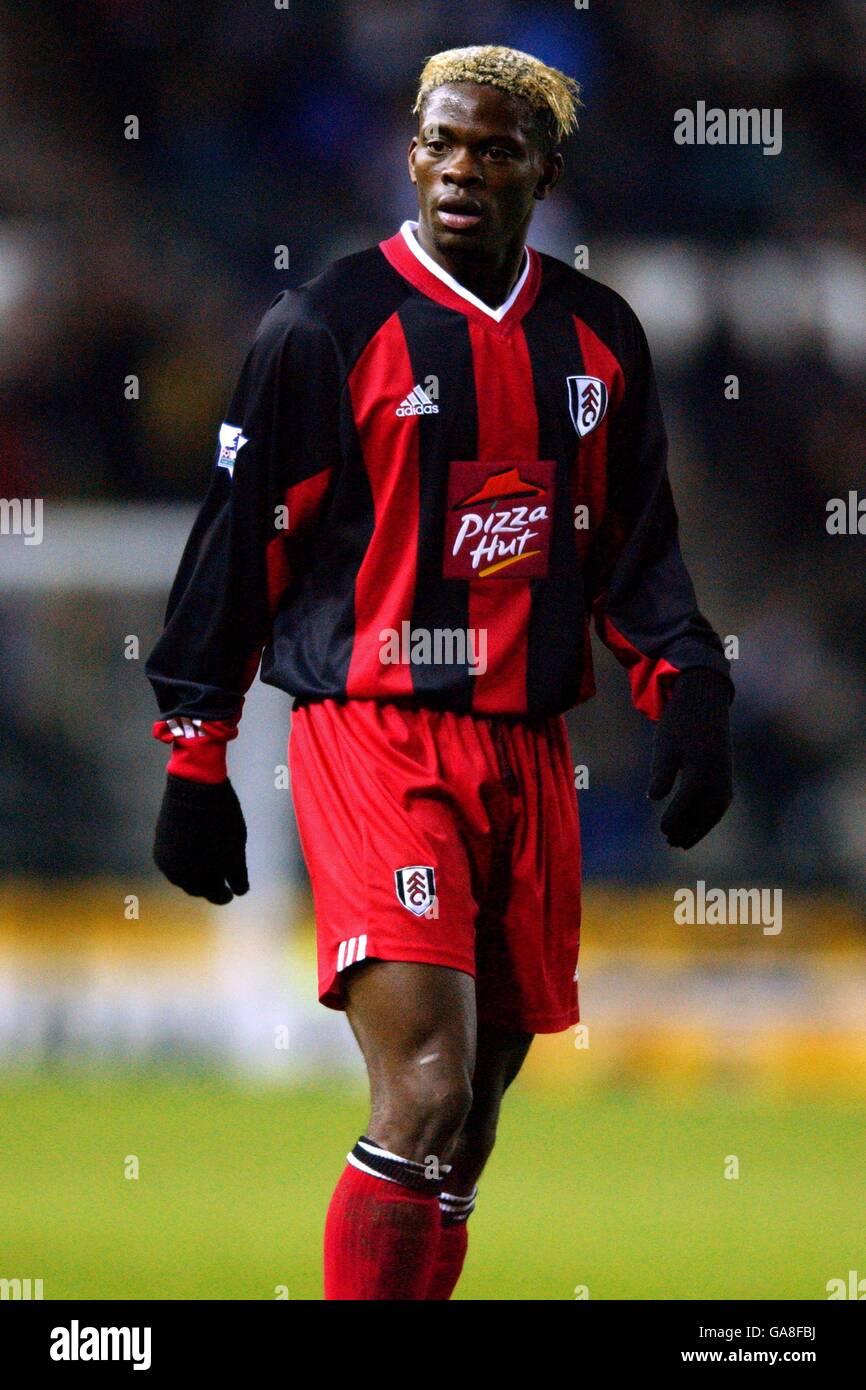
407, 1015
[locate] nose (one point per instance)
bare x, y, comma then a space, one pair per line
462, 170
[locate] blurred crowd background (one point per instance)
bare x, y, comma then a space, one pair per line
261, 126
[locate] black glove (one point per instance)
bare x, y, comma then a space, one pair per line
693, 737
200, 839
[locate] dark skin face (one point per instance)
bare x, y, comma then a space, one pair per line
479, 167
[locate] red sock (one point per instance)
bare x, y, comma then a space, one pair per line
449, 1261
381, 1239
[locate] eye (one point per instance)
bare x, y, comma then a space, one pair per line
498, 154
435, 146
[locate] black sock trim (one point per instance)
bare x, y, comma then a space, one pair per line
368, 1156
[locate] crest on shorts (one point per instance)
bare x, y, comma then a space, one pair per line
587, 401
416, 887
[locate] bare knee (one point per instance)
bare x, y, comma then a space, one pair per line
415, 1024
419, 1108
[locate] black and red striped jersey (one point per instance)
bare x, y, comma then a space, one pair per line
419, 498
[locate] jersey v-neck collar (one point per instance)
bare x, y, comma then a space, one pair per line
408, 232
409, 259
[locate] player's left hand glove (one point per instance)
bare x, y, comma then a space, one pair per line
693, 738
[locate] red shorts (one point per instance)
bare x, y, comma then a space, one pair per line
451, 839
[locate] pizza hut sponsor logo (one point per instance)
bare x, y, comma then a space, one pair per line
498, 519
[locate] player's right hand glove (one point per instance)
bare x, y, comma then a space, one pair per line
200, 839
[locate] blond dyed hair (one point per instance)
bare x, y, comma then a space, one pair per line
552, 96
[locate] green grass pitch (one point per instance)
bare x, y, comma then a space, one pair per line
622, 1192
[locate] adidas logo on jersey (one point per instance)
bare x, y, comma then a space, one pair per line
417, 403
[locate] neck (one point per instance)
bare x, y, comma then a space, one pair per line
490, 277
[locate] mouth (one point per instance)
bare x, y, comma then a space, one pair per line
459, 214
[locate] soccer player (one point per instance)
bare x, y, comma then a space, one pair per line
444, 456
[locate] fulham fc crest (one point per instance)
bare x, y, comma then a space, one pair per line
587, 401
416, 887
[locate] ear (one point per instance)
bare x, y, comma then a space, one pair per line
551, 173
413, 145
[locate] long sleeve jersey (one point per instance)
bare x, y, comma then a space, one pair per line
418, 498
